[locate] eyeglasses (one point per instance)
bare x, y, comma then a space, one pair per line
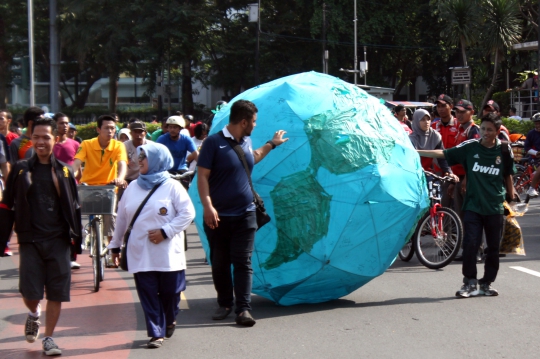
142, 156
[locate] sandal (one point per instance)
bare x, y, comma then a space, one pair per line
155, 343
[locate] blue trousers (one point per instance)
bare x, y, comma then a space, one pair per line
159, 293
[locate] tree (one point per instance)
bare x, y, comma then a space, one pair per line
100, 31
462, 20
502, 29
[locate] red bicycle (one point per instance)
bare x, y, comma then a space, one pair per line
439, 233
524, 175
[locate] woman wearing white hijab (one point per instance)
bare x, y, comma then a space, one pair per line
424, 137
155, 251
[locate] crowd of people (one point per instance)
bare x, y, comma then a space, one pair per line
480, 160
42, 166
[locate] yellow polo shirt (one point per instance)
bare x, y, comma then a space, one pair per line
101, 166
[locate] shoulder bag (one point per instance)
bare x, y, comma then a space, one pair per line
123, 251
260, 211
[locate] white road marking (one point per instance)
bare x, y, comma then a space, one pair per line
528, 271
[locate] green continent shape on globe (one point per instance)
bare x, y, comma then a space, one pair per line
341, 143
302, 217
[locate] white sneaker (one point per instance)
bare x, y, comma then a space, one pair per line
75, 265
532, 192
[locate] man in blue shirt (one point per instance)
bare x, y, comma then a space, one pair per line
230, 222
179, 144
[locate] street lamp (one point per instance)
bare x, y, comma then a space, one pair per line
31, 49
355, 46
255, 16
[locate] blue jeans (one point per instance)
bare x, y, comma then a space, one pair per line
473, 225
231, 243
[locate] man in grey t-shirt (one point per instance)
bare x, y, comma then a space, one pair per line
138, 138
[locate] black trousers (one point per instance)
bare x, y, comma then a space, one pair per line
231, 243
473, 225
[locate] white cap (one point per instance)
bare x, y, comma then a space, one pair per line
177, 120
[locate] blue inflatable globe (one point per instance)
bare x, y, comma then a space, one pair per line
344, 192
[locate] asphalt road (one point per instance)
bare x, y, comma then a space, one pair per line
408, 312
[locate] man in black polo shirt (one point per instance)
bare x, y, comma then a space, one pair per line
229, 212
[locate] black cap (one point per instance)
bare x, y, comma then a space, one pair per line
137, 125
445, 99
493, 105
463, 105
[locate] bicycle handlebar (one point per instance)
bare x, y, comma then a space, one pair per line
442, 179
183, 175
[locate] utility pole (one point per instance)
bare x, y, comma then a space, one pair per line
324, 68
54, 81
355, 47
365, 60
31, 50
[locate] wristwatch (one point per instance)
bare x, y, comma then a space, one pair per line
271, 144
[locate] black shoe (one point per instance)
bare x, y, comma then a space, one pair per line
480, 258
155, 343
502, 255
245, 319
221, 313
170, 330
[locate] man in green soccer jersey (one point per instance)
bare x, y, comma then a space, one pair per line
489, 168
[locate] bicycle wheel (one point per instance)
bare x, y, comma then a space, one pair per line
437, 239
522, 182
101, 259
407, 252
94, 253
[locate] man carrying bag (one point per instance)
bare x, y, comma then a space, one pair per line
230, 219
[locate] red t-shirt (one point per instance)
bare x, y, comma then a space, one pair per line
10, 137
66, 151
191, 128
405, 127
448, 132
470, 132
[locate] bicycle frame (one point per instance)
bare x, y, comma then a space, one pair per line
435, 198
436, 228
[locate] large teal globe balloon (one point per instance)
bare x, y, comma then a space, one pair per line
344, 192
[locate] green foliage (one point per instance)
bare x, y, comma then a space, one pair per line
515, 126
461, 20
213, 42
152, 127
503, 100
87, 131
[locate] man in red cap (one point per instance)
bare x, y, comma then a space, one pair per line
467, 130
447, 128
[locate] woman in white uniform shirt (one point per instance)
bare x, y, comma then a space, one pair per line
155, 251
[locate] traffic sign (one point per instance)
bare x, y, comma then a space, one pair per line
461, 75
